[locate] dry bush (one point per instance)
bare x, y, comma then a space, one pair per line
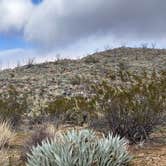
41, 133
6, 135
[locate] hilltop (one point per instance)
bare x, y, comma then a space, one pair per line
68, 77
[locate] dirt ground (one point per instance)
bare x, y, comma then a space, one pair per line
150, 156
150, 153
153, 152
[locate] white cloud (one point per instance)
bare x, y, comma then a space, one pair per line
14, 14
58, 23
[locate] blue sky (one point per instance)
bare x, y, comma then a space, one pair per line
41, 29
36, 1
10, 42
15, 40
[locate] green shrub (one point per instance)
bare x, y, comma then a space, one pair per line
133, 111
80, 148
72, 109
91, 59
76, 80
11, 106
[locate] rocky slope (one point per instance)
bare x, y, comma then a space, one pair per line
67, 77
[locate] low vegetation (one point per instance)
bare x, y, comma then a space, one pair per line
6, 137
12, 106
134, 111
39, 135
6, 134
81, 148
71, 109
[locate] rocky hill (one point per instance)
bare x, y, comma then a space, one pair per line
68, 77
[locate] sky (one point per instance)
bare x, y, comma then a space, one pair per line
45, 29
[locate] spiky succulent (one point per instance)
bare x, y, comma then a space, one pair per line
80, 148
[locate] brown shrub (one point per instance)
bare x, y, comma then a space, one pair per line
41, 133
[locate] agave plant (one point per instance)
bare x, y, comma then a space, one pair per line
80, 148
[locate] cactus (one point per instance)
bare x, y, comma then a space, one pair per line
80, 148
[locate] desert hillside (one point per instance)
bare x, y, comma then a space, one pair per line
69, 77
122, 91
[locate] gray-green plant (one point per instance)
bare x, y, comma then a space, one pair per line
80, 148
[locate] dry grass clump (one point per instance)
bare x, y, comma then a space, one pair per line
40, 134
4, 158
6, 134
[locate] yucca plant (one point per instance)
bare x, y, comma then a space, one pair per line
80, 148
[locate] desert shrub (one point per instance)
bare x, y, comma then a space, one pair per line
76, 80
40, 134
6, 134
134, 111
11, 106
72, 109
91, 59
81, 148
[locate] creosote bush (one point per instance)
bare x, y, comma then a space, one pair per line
133, 111
91, 59
71, 109
80, 148
11, 106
